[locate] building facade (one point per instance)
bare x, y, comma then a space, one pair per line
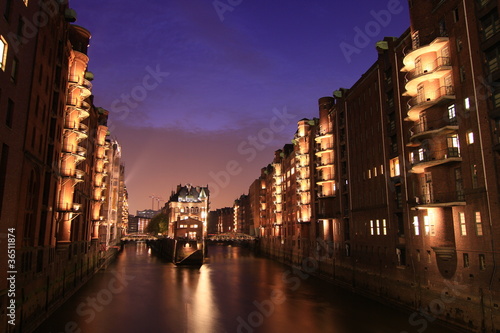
393, 191
188, 202
52, 159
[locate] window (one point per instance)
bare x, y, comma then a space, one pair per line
10, 113
479, 224
426, 226
482, 262
492, 58
463, 226
470, 137
466, 260
394, 165
459, 43
3, 53
377, 223
372, 228
490, 24
453, 146
384, 227
13, 73
369, 173
456, 17
462, 74
416, 225
381, 169
452, 115
8, 5
475, 183
467, 103
374, 171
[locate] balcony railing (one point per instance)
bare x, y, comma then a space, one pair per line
435, 66
430, 155
427, 126
431, 97
440, 198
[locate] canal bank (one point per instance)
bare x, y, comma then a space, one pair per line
424, 303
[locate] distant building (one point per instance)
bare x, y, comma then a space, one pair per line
188, 202
147, 213
213, 219
133, 224
242, 214
225, 221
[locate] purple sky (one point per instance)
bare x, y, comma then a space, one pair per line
194, 93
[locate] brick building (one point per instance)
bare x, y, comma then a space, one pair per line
52, 165
394, 189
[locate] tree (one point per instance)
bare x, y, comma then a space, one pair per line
158, 224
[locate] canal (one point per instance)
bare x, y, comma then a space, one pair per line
234, 292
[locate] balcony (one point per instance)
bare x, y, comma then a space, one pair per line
323, 134
434, 46
323, 150
431, 158
423, 129
427, 100
322, 165
81, 83
79, 129
441, 199
323, 195
433, 71
75, 152
80, 106
325, 180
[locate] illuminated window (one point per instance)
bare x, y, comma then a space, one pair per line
3, 52
470, 137
467, 103
384, 227
194, 226
381, 169
479, 224
394, 165
25, 2
416, 225
451, 112
369, 173
463, 226
378, 227
372, 228
429, 227
375, 172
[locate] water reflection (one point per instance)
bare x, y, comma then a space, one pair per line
233, 292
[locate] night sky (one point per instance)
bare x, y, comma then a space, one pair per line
204, 92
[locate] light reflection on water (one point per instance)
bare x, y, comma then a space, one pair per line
233, 292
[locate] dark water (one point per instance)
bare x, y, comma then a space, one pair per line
234, 292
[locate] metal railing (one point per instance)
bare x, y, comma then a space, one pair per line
432, 96
433, 67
